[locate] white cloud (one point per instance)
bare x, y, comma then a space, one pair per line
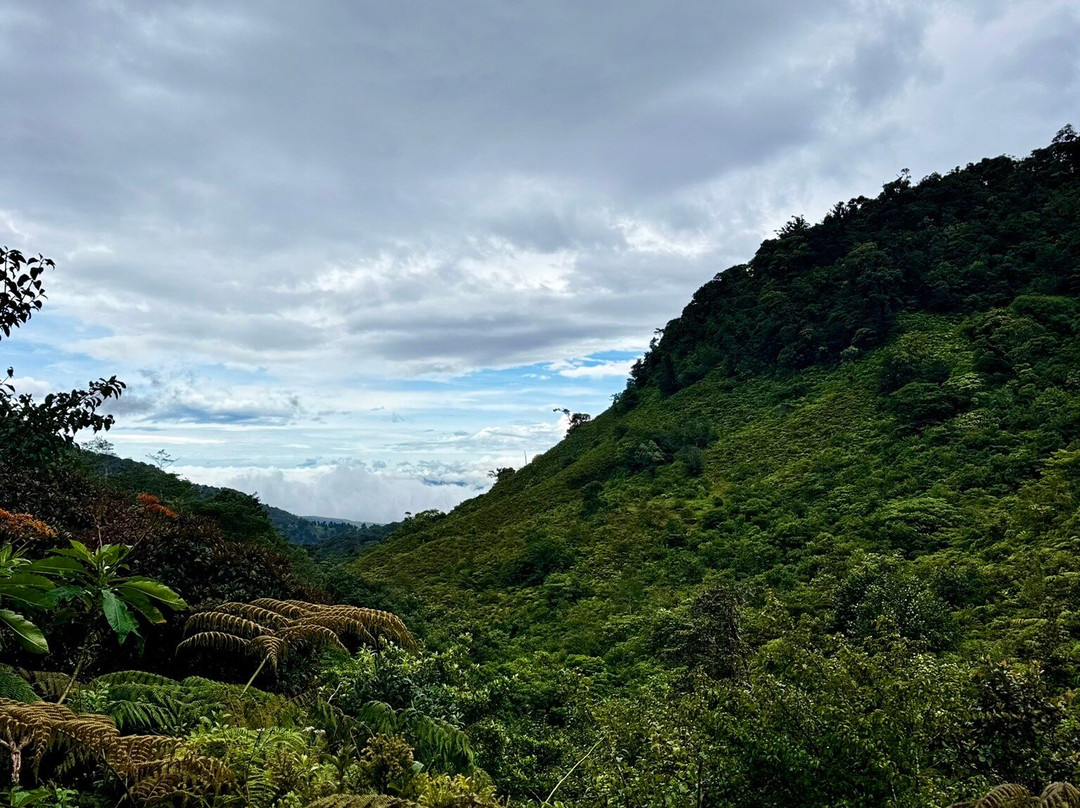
165, 440
346, 491
615, 368
28, 384
221, 204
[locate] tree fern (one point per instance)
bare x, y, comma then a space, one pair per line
256, 758
379, 716
135, 678
153, 767
1006, 795
140, 701
132, 707
259, 790
15, 687
269, 630
51, 685
438, 743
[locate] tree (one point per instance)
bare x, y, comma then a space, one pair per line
576, 418
99, 445
711, 639
35, 431
21, 291
271, 630
161, 458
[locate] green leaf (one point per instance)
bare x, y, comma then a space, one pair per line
29, 580
64, 593
78, 550
110, 555
119, 616
156, 590
26, 595
138, 601
58, 565
28, 635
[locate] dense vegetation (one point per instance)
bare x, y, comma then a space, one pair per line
822, 551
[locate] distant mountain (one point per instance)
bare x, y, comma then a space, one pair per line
334, 520
326, 537
346, 544
303, 530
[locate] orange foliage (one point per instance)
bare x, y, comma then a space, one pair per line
152, 504
23, 526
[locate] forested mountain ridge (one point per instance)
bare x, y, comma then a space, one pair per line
320, 534
964, 242
887, 381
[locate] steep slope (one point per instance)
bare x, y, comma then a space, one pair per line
895, 385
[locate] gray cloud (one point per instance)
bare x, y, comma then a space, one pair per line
338, 197
217, 158
183, 398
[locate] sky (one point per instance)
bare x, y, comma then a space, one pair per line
353, 255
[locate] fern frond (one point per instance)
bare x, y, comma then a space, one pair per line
128, 752
1060, 795
286, 608
223, 622
439, 742
360, 801
155, 768
313, 636
260, 791
178, 776
51, 684
255, 613
271, 647
132, 715
1006, 795
386, 624
216, 641
379, 717
41, 725
94, 731
271, 629
15, 687
343, 627
134, 678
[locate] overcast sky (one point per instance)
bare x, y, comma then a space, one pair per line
350, 255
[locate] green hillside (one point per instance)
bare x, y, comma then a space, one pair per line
782, 485
798, 417
843, 485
